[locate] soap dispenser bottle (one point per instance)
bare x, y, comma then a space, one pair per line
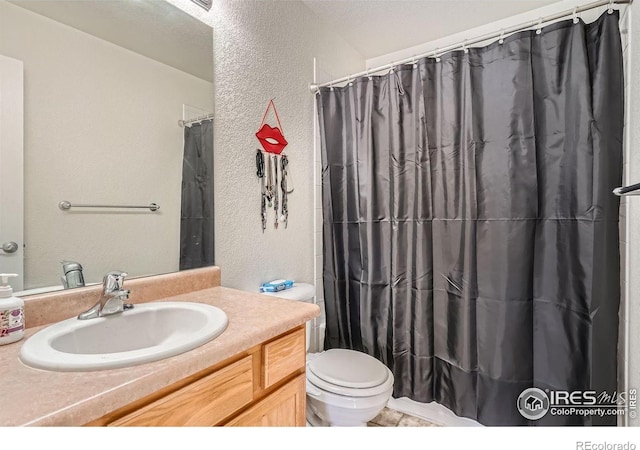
11, 312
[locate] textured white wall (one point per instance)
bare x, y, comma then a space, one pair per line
630, 209
623, 345
264, 50
100, 127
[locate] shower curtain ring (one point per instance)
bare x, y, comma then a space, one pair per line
610, 9
369, 76
539, 26
414, 62
435, 55
501, 40
349, 80
393, 67
576, 19
464, 47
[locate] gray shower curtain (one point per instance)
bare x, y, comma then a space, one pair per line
470, 232
196, 218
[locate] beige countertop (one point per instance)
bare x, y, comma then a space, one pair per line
38, 397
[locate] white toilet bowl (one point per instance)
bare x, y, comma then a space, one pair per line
344, 387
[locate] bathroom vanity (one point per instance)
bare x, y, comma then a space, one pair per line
263, 386
253, 374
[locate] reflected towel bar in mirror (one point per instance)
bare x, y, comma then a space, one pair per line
633, 189
65, 206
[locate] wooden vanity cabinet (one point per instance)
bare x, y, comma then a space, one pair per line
285, 407
263, 386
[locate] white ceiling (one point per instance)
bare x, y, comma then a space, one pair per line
152, 28
378, 27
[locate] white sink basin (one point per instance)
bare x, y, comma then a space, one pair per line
149, 332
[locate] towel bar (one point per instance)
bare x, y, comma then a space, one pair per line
65, 206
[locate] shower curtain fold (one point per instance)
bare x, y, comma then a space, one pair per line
470, 232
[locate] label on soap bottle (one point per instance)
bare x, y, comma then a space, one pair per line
11, 320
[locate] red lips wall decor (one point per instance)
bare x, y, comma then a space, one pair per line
271, 138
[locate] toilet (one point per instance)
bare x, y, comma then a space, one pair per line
344, 387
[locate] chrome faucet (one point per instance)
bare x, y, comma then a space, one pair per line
112, 298
72, 274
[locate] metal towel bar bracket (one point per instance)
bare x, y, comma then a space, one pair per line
66, 206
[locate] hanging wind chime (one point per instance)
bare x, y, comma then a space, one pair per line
273, 143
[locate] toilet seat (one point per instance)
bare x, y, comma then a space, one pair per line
349, 373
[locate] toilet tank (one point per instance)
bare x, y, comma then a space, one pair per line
303, 292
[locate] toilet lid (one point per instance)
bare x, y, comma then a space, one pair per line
348, 368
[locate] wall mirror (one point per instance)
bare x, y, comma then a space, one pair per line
103, 88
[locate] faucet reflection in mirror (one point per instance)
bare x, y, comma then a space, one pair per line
112, 297
73, 276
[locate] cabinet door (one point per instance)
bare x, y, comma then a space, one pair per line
284, 408
283, 356
203, 403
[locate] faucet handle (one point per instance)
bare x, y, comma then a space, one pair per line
113, 281
123, 296
116, 303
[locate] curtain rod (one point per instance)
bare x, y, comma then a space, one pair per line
188, 123
466, 43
